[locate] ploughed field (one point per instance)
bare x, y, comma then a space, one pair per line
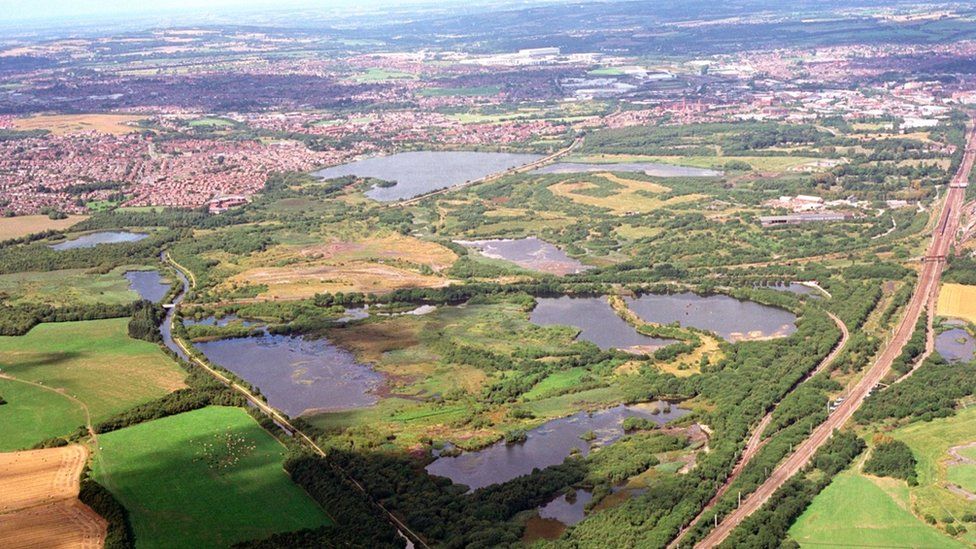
39, 504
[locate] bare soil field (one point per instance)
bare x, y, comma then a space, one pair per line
23, 225
38, 500
62, 124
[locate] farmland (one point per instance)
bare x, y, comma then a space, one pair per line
16, 227
210, 477
876, 512
38, 500
33, 414
958, 301
68, 287
72, 123
77, 357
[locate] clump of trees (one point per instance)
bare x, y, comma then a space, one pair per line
933, 391
145, 321
892, 458
120, 534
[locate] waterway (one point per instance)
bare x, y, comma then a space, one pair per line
529, 253
546, 445
421, 172
730, 318
94, 239
596, 320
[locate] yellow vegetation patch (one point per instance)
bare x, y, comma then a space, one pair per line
16, 227
376, 264
61, 124
958, 300
627, 200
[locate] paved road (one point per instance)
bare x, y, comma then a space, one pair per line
926, 288
756, 442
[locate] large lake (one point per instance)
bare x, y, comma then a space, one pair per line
546, 445
417, 173
104, 237
297, 375
529, 253
597, 322
728, 317
650, 168
148, 284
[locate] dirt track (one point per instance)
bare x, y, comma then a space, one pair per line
39, 504
925, 290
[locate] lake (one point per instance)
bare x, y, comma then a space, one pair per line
546, 445
297, 376
596, 320
726, 316
104, 237
529, 253
650, 168
148, 284
421, 172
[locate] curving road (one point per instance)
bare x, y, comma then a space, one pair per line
925, 290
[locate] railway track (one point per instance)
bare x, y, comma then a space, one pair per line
926, 287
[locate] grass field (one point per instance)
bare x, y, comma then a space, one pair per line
33, 414
866, 512
23, 225
69, 287
60, 124
374, 75
95, 361
207, 478
958, 301
210, 122
478, 90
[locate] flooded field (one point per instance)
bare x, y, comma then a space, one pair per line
956, 345
148, 284
529, 253
597, 322
546, 445
104, 237
297, 375
417, 173
728, 317
649, 168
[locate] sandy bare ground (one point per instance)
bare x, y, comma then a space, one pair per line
39, 504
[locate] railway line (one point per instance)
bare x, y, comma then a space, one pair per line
926, 288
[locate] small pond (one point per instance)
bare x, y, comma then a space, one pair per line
650, 168
956, 345
529, 253
421, 172
546, 445
555, 516
297, 376
732, 319
148, 284
596, 320
94, 239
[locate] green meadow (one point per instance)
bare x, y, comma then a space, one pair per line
206, 478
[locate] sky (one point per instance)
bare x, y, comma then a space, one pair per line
63, 9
